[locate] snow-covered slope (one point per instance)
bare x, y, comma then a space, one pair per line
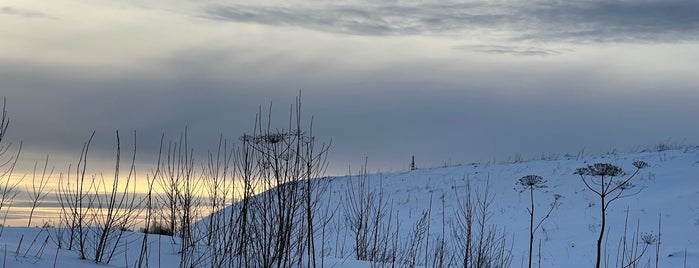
670, 191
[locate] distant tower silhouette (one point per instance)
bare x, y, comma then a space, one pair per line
412, 164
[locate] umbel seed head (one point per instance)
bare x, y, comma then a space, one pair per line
649, 239
532, 181
640, 164
600, 169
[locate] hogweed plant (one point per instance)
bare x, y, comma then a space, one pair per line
607, 182
531, 183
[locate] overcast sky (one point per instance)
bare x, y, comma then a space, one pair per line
446, 81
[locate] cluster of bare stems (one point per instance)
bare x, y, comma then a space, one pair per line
261, 198
632, 247
365, 210
479, 243
8, 161
374, 230
32, 250
96, 212
278, 225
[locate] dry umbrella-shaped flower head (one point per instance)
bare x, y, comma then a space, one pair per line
625, 185
640, 164
532, 182
649, 239
600, 169
275, 138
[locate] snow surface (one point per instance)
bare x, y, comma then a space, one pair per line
670, 188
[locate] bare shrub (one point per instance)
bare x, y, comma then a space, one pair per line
96, 211
365, 210
8, 184
279, 223
38, 192
75, 202
117, 207
478, 243
415, 240
150, 226
632, 247
221, 228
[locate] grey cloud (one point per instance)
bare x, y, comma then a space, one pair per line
511, 50
54, 109
613, 21
373, 19
24, 13
561, 21
481, 111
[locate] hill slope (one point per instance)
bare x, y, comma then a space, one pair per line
669, 190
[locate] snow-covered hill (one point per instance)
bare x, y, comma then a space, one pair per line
669, 192
669, 198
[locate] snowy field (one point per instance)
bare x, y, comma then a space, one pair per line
669, 200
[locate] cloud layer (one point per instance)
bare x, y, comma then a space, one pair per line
23, 13
540, 21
